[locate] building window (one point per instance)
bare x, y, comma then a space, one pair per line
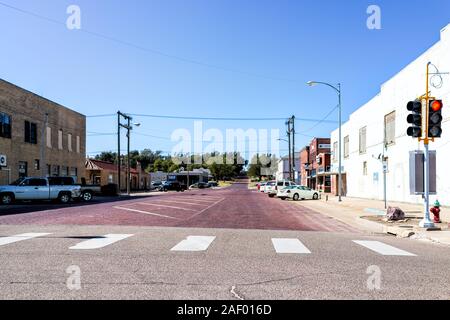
74, 172
30, 132
5, 125
55, 170
60, 139
346, 146
335, 151
365, 168
78, 144
362, 140
49, 137
69, 142
23, 169
37, 165
49, 170
64, 170
389, 128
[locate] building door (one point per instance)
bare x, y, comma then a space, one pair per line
23, 169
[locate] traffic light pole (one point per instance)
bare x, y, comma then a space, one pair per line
426, 222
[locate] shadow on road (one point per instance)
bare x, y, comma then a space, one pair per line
35, 206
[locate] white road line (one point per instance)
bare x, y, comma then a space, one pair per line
382, 248
203, 210
145, 212
194, 243
182, 202
100, 242
289, 246
21, 237
164, 206
198, 200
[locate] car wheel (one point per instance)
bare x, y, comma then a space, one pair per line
7, 199
315, 196
296, 197
87, 196
271, 195
64, 198
283, 198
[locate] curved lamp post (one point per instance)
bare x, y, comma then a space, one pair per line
337, 88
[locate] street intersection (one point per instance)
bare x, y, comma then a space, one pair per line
233, 243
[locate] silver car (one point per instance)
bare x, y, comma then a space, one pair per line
38, 189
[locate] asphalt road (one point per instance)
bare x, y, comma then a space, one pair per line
227, 248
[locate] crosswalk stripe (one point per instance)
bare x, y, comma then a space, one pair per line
101, 242
382, 248
194, 243
21, 237
289, 246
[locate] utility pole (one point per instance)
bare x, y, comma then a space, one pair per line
288, 132
128, 158
293, 148
129, 127
118, 151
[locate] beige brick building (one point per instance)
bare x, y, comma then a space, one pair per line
39, 137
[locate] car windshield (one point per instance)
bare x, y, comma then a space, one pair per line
17, 182
270, 183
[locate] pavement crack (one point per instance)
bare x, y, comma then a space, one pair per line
236, 294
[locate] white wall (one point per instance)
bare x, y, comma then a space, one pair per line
407, 85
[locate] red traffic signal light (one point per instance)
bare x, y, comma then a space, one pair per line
435, 118
436, 105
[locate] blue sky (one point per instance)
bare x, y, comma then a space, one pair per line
265, 51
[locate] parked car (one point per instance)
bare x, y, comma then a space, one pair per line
302, 193
87, 190
199, 185
262, 186
38, 189
172, 186
213, 184
155, 185
272, 188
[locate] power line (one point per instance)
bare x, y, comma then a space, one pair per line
149, 50
226, 119
322, 120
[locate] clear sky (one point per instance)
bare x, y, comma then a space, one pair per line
211, 58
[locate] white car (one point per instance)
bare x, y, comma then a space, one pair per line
301, 193
273, 187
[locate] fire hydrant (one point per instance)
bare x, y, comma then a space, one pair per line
436, 212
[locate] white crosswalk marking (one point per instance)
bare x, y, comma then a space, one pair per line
194, 243
100, 242
289, 246
382, 248
21, 237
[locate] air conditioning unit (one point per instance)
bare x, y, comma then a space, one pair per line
3, 161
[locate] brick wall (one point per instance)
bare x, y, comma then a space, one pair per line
22, 106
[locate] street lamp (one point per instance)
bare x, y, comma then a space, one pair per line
338, 90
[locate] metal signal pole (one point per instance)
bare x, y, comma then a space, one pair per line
293, 148
288, 132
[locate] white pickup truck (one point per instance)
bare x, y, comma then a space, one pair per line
38, 189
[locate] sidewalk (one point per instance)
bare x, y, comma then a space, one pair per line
367, 215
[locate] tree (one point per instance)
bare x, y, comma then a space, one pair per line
107, 156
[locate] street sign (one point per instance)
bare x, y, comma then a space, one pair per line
3, 162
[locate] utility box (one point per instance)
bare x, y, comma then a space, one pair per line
417, 172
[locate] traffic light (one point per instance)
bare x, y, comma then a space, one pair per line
415, 118
435, 119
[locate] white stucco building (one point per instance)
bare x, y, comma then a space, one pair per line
283, 168
383, 118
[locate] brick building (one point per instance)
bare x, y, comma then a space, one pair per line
103, 173
39, 137
315, 161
